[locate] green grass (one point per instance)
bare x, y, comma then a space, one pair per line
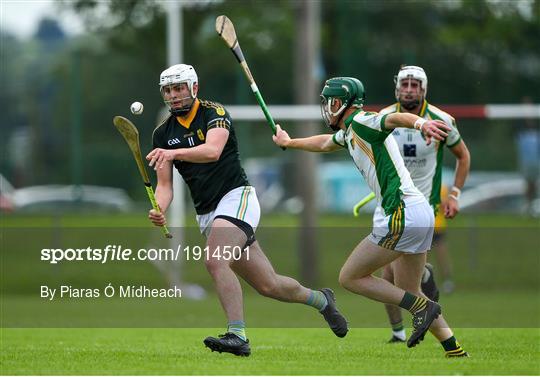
275, 351
465, 309
495, 311
139, 219
486, 257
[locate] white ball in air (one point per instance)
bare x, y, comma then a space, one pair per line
137, 108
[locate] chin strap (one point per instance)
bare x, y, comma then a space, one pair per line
182, 112
179, 112
412, 105
336, 126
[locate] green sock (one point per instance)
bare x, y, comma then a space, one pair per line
452, 347
238, 328
317, 299
398, 330
398, 326
412, 303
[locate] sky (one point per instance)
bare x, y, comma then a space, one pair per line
21, 17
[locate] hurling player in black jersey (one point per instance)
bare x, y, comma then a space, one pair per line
199, 141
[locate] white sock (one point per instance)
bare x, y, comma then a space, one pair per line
425, 275
400, 334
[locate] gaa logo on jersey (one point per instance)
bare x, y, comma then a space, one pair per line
409, 150
173, 141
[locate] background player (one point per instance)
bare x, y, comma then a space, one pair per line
424, 163
199, 140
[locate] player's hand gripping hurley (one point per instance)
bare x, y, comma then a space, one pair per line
131, 135
225, 29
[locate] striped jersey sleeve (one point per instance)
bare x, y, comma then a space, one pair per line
218, 117
370, 126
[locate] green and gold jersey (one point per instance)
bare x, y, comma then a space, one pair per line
376, 155
425, 162
207, 182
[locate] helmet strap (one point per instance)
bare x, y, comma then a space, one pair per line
340, 113
336, 127
410, 105
182, 111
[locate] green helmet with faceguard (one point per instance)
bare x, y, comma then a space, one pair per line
347, 89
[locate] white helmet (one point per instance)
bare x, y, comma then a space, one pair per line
411, 72
179, 73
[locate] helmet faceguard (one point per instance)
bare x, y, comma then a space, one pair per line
327, 113
170, 82
410, 73
347, 89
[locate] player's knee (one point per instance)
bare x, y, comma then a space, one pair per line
345, 279
354, 283
214, 265
388, 274
348, 277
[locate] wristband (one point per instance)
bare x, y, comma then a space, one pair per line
457, 191
454, 197
419, 123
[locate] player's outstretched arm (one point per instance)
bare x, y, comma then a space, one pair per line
316, 143
436, 129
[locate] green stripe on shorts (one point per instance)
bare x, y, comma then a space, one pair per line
396, 226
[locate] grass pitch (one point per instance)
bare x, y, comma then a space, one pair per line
495, 259
274, 351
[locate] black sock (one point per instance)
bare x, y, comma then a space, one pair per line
451, 346
412, 303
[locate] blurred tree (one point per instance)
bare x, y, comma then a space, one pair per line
12, 112
49, 32
368, 39
474, 51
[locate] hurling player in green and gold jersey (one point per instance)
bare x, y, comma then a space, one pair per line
198, 139
403, 220
424, 162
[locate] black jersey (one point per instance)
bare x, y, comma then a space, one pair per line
207, 182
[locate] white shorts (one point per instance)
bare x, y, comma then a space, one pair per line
240, 203
409, 229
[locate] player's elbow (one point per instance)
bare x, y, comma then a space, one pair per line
325, 145
466, 156
326, 148
213, 154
